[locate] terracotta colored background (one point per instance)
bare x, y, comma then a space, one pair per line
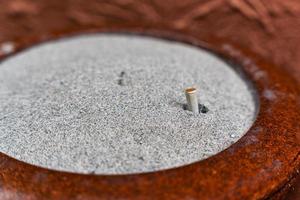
270, 28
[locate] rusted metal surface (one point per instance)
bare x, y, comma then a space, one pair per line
261, 36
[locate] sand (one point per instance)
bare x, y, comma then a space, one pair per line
113, 104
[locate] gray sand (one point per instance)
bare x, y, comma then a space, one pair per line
112, 104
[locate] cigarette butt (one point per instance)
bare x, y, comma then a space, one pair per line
192, 100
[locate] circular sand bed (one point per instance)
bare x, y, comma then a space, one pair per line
113, 104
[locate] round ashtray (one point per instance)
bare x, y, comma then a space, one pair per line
98, 110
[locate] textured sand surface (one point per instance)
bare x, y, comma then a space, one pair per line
112, 104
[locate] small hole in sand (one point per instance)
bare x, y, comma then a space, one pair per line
121, 79
202, 108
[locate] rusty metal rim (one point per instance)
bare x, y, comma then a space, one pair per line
254, 153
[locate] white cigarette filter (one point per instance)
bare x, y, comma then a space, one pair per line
192, 99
